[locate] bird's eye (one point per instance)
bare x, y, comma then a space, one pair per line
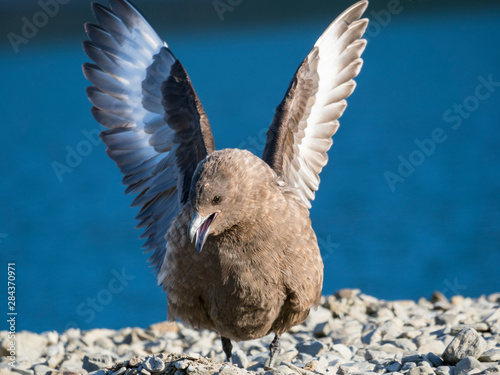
217, 199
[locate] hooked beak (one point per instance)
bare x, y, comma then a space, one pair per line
200, 228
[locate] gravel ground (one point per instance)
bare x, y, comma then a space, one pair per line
350, 333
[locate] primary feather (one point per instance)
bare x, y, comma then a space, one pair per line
157, 129
307, 118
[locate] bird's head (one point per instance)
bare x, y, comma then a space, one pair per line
227, 189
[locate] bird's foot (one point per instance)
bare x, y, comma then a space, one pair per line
274, 349
227, 347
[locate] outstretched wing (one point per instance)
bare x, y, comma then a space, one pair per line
157, 129
300, 134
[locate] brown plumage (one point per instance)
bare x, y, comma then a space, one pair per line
230, 232
260, 270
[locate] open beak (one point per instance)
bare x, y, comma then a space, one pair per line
200, 228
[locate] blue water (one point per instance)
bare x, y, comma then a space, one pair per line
438, 230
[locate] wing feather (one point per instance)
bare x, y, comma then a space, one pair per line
300, 134
157, 131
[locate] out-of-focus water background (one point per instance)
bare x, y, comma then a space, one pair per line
408, 204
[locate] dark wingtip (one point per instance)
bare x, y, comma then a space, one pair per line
100, 10
86, 44
87, 68
95, 6
92, 90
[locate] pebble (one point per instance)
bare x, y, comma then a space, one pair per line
181, 365
286, 356
322, 329
135, 361
432, 346
403, 343
445, 370
72, 364
466, 365
373, 354
343, 350
467, 343
30, 346
349, 367
492, 370
22, 371
281, 370
347, 293
154, 364
311, 347
351, 333
55, 360
491, 355
191, 355
120, 371
408, 366
393, 367
479, 327
240, 359
301, 357
55, 349
434, 359
319, 364
42, 369
97, 362
154, 346
412, 356
230, 370
417, 370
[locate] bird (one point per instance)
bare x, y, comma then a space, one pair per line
230, 232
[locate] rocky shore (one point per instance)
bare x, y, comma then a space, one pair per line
350, 333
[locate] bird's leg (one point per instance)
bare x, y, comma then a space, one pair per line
274, 348
227, 347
